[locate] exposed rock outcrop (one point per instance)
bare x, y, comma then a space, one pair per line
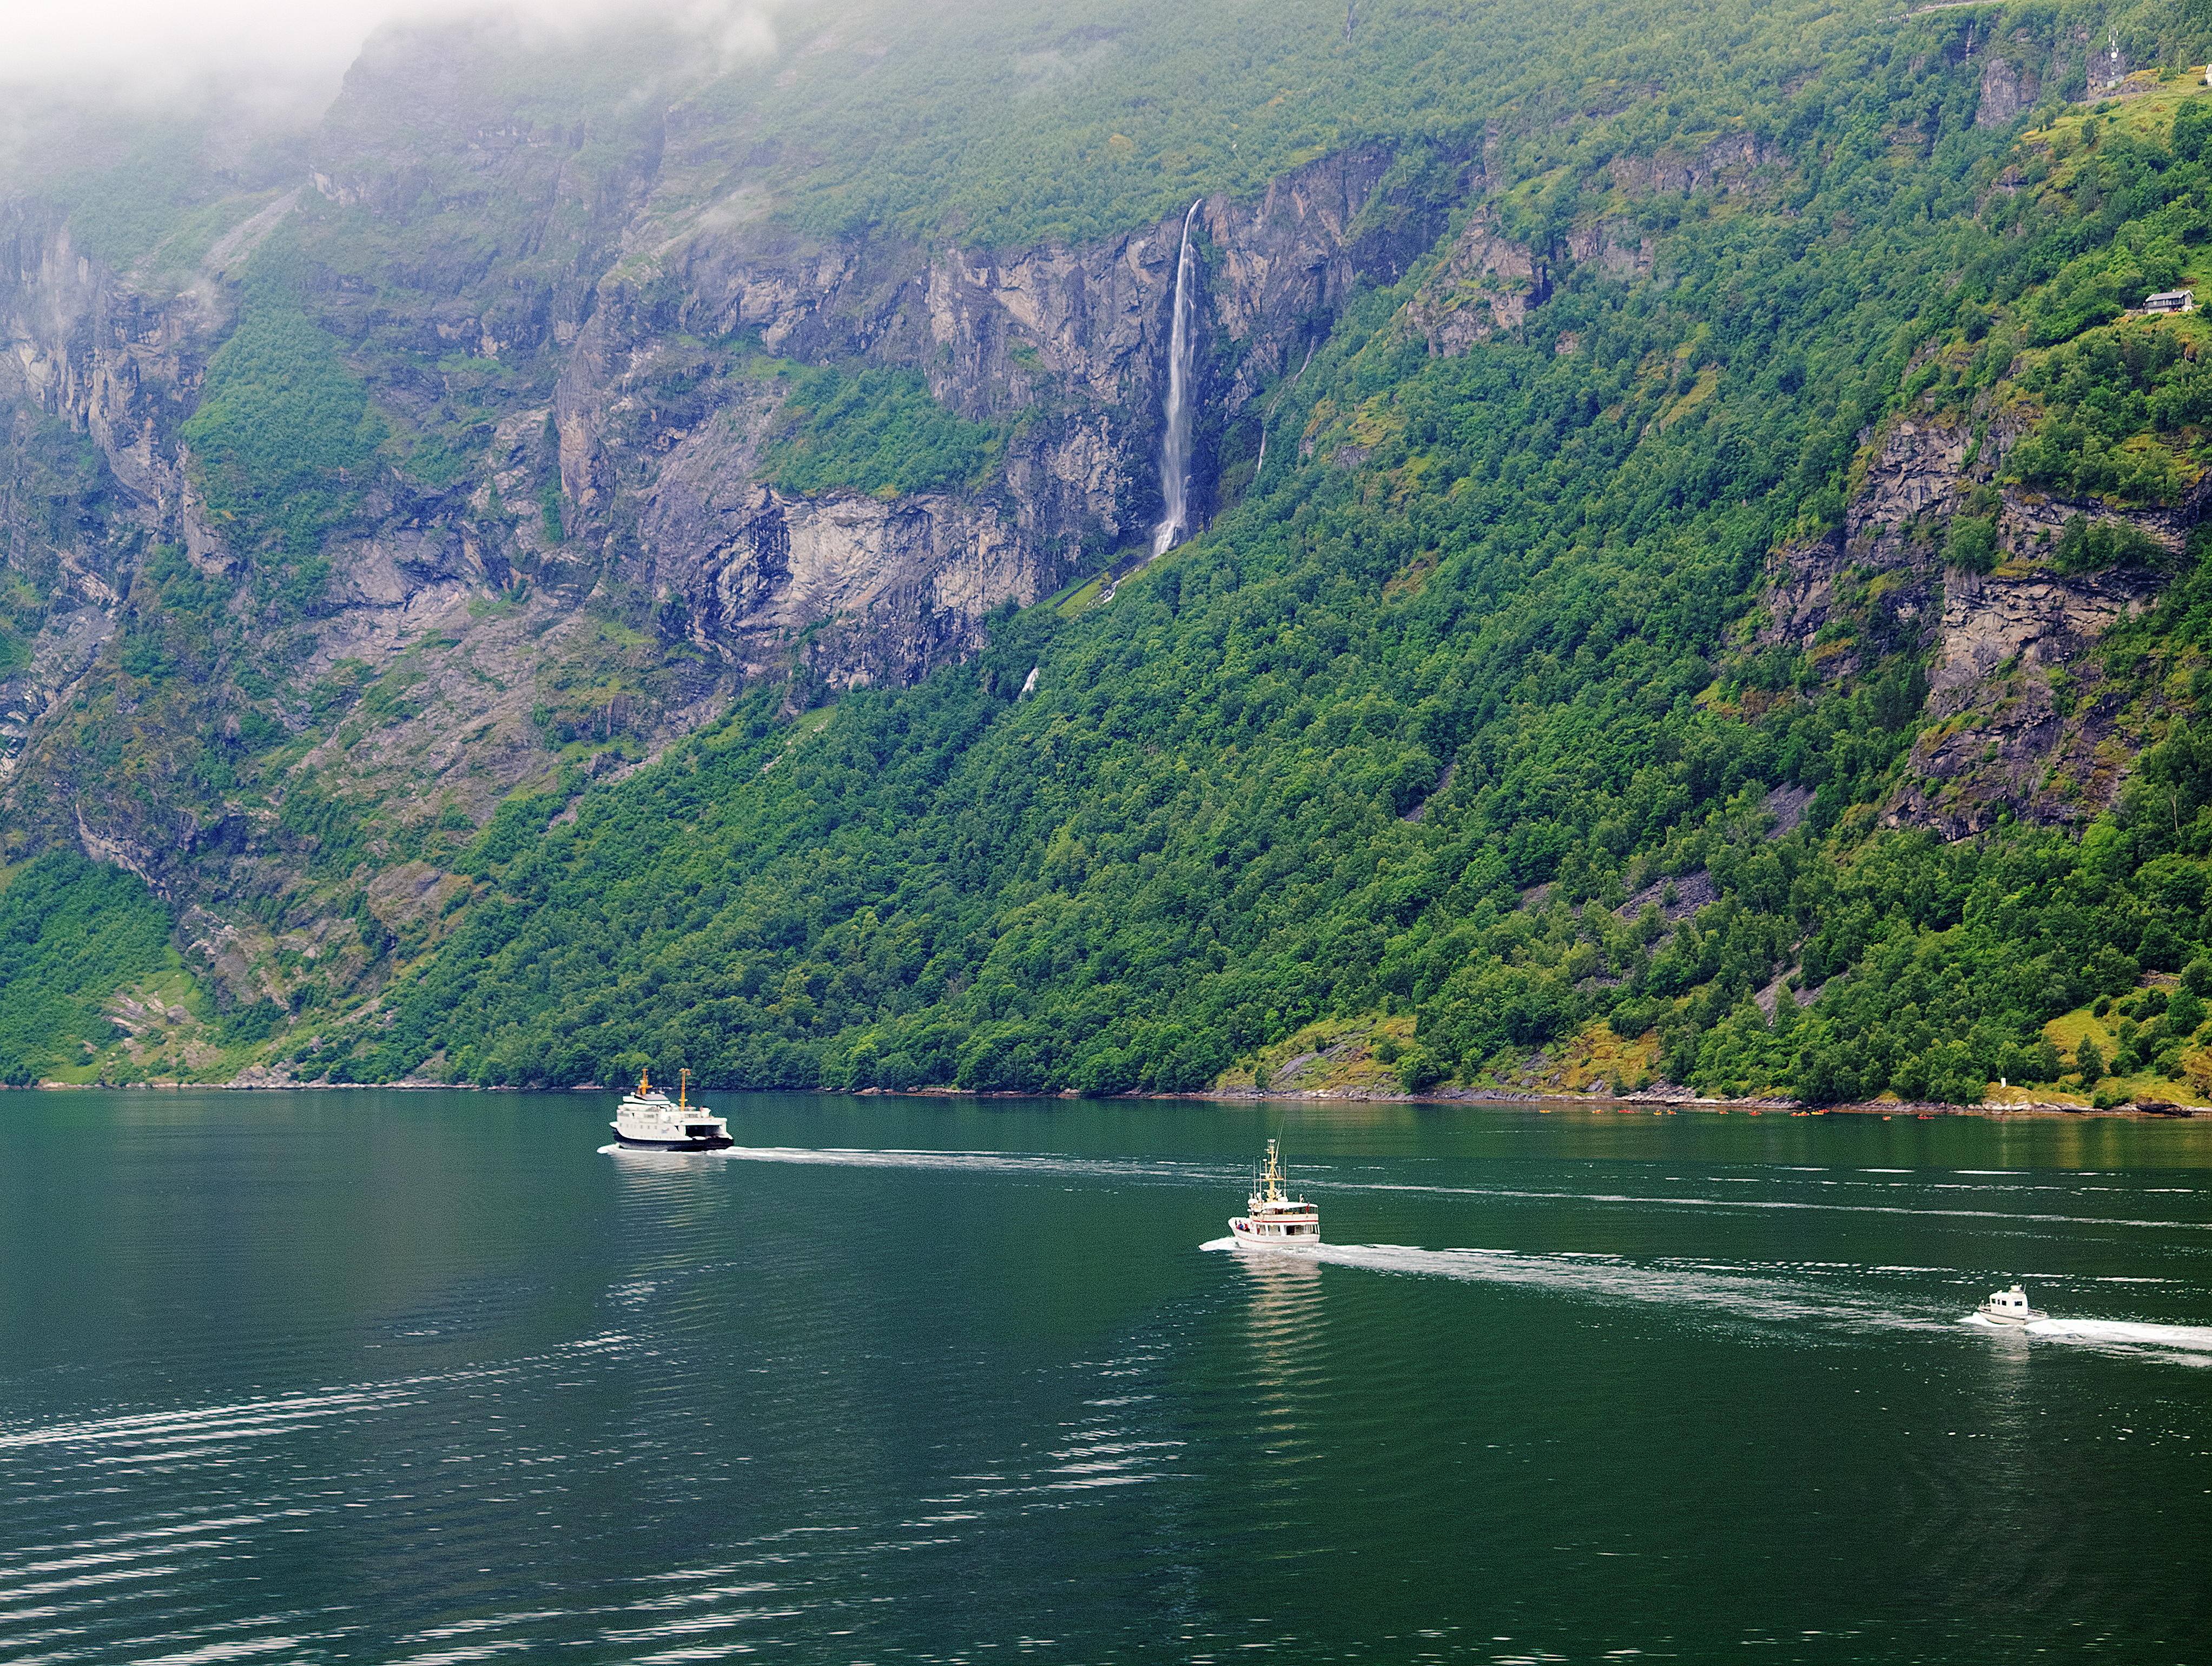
1488, 283
1731, 162
2021, 722
610, 560
2007, 89
1065, 347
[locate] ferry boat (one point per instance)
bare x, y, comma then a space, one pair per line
649, 1118
1272, 1221
2009, 1307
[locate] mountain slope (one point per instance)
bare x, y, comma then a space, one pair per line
1517, 590
1652, 483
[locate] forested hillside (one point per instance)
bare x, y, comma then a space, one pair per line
1729, 609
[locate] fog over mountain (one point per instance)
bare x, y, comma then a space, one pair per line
291, 57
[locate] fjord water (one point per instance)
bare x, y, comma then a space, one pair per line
434, 1378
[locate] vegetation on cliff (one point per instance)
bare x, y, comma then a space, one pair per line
876, 431
284, 435
72, 931
1464, 724
1521, 606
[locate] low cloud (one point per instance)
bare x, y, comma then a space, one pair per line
289, 50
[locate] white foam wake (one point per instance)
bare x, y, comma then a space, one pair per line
1699, 1286
2196, 1339
1214, 1174
969, 1162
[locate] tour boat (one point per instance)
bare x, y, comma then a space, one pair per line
650, 1118
2009, 1307
1272, 1221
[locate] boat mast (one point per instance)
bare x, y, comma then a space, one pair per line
682, 1086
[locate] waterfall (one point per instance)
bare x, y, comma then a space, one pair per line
1174, 444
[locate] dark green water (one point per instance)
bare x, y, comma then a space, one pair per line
432, 1377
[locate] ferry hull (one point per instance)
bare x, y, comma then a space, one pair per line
674, 1145
689, 1142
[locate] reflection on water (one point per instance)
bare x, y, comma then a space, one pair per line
1285, 1321
436, 1378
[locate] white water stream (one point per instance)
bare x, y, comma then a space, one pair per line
1174, 443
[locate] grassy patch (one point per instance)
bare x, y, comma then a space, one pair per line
1336, 1055
284, 435
72, 935
875, 431
1083, 598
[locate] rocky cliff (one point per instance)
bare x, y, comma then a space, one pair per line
570, 326
2025, 723
1065, 349
574, 334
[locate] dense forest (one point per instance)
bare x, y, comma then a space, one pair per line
1468, 719
1523, 614
71, 931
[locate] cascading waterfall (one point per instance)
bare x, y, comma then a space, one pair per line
1174, 444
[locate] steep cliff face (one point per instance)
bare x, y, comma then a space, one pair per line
2025, 724
95, 377
1065, 348
2007, 89
603, 557
1487, 281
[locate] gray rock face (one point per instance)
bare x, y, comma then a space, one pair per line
1731, 162
1488, 281
2021, 723
84, 354
611, 564
1487, 284
1066, 346
2007, 89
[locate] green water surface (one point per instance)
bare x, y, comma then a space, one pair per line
434, 1378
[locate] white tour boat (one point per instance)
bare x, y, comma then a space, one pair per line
1272, 1221
2009, 1307
650, 1118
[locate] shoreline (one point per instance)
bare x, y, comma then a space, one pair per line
1656, 1102
2144, 1110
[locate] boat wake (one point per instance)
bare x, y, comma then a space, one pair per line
1757, 1295
968, 1162
1048, 1163
1796, 1296
2116, 1332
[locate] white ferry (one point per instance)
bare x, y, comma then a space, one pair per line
1272, 1221
650, 1118
2009, 1307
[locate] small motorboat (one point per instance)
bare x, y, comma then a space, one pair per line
1272, 1219
2009, 1307
649, 1119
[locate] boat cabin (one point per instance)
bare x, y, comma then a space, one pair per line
1272, 1216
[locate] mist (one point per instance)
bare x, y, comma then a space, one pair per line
281, 53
